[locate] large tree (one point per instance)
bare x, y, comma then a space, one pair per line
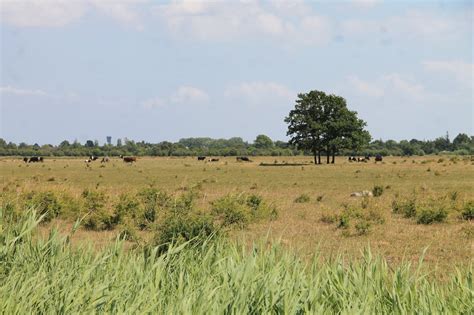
323, 123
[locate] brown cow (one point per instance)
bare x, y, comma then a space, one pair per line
128, 159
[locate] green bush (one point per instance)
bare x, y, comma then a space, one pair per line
377, 190
152, 201
127, 206
432, 214
363, 227
177, 229
46, 203
232, 210
407, 208
344, 221
468, 211
303, 198
240, 210
97, 217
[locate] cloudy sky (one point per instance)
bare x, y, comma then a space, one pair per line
159, 70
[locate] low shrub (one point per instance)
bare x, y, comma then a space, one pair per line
240, 210
363, 227
407, 208
377, 190
344, 221
126, 206
97, 217
152, 201
46, 203
176, 229
468, 211
303, 198
432, 214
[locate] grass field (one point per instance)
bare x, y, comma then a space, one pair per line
309, 199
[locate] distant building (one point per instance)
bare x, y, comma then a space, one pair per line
109, 140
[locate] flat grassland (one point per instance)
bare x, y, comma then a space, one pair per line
305, 226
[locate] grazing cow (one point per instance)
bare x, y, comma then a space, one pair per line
367, 157
213, 160
378, 158
364, 193
35, 159
129, 159
243, 159
93, 158
25, 159
105, 159
201, 158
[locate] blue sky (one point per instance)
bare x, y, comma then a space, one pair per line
159, 70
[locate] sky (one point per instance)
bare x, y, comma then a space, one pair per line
165, 70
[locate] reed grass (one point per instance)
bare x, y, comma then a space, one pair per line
217, 276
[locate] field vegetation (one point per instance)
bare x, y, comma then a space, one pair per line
214, 275
158, 200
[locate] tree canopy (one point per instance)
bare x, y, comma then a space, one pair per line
322, 123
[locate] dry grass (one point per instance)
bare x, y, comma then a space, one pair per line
299, 224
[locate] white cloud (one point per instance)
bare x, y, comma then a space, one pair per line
389, 85
462, 71
365, 87
413, 25
4, 90
261, 93
58, 13
41, 13
184, 95
154, 102
220, 20
365, 3
189, 94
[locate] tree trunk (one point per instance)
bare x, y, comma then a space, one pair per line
319, 157
333, 156
328, 154
315, 157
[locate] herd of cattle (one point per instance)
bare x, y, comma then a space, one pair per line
131, 159
238, 158
378, 158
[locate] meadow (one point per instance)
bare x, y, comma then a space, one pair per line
313, 202
286, 230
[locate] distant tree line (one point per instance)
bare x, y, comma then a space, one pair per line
462, 144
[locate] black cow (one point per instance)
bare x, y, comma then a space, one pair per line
35, 159
378, 158
243, 159
25, 159
93, 158
201, 158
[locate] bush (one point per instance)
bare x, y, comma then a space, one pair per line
152, 200
241, 209
363, 227
432, 214
468, 211
97, 217
377, 190
232, 210
127, 206
344, 221
177, 229
45, 203
405, 207
303, 198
